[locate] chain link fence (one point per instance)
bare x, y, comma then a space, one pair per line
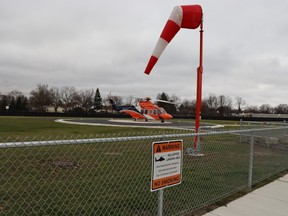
112, 175
262, 124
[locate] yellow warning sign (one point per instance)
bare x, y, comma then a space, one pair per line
166, 164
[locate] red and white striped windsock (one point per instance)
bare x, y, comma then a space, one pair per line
185, 16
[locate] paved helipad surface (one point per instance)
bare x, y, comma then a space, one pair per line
270, 200
176, 124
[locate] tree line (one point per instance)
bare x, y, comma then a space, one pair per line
222, 105
42, 97
69, 99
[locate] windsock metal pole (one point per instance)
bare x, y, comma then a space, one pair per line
199, 89
190, 17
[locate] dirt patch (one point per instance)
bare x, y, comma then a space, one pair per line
112, 153
65, 164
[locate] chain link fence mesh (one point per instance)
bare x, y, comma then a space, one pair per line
112, 176
261, 124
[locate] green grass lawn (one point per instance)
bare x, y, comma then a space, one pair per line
113, 178
46, 126
15, 126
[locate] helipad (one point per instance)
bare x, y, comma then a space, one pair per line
175, 124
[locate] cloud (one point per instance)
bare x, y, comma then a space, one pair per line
90, 44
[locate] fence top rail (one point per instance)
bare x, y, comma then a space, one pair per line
126, 138
266, 122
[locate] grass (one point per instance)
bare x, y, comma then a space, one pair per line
114, 178
46, 126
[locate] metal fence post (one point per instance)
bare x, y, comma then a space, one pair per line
241, 127
250, 172
161, 194
285, 127
160, 202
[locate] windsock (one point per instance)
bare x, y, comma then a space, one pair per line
185, 16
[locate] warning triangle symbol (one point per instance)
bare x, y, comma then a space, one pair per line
158, 148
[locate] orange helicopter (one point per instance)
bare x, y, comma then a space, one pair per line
144, 109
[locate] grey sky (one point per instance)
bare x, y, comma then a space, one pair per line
107, 44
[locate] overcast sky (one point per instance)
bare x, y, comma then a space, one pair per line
107, 44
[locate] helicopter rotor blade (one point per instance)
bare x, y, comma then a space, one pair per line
164, 101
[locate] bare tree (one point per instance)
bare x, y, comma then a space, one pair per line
55, 98
252, 109
224, 105
176, 100
188, 107
129, 100
68, 96
239, 104
204, 108
281, 109
15, 94
212, 104
17, 101
4, 102
265, 108
84, 99
40, 97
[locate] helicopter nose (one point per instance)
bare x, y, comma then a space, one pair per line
167, 116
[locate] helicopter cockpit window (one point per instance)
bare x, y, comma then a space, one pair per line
162, 111
155, 112
146, 112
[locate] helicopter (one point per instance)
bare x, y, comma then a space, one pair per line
144, 109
